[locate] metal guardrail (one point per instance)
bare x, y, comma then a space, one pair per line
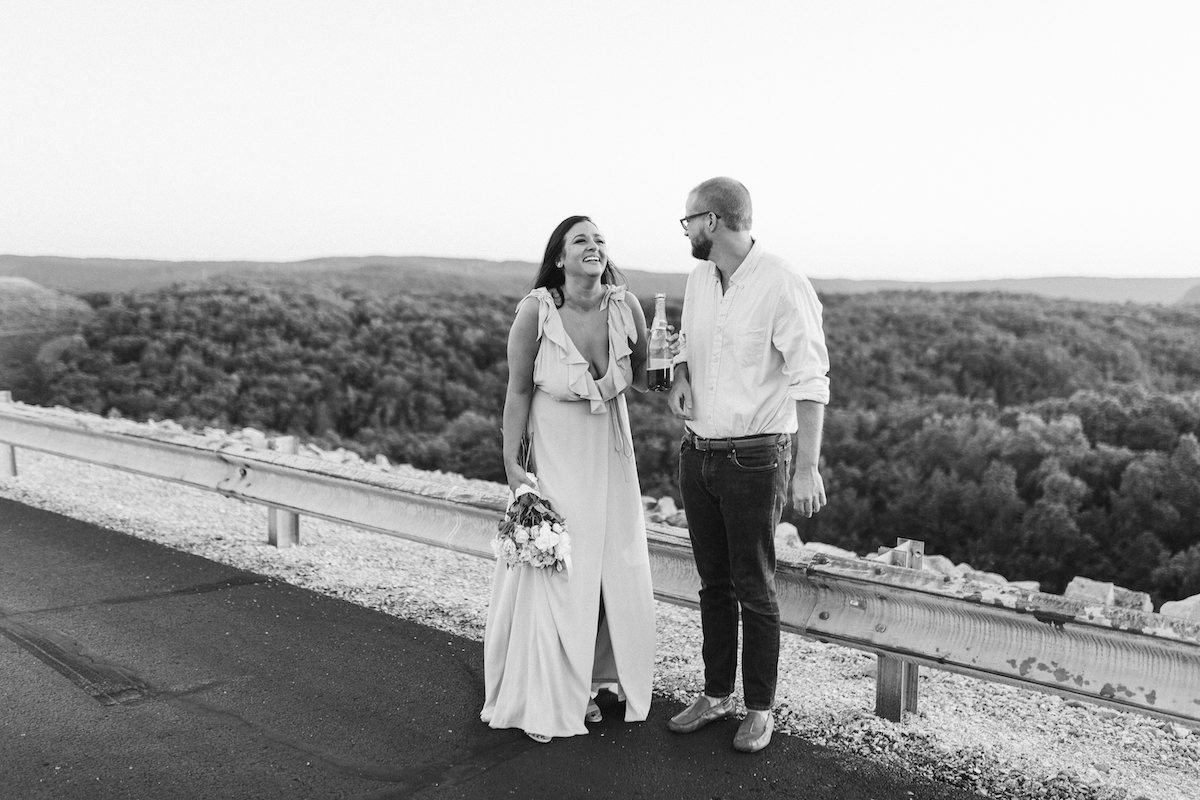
1133, 661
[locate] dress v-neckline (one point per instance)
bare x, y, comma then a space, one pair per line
607, 347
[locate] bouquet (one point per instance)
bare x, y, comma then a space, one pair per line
532, 532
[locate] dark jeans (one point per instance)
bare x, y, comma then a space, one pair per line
734, 500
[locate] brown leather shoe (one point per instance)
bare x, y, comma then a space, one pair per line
700, 713
755, 732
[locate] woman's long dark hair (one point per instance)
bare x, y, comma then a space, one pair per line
553, 278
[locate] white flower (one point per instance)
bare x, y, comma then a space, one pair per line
547, 539
508, 551
521, 535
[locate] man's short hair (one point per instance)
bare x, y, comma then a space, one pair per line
728, 198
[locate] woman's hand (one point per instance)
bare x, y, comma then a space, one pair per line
517, 477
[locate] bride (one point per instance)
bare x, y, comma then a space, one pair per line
553, 639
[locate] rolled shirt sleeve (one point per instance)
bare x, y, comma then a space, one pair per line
799, 336
685, 323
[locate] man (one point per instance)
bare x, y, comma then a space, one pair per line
750, 374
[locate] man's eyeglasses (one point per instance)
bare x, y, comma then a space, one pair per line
688, 219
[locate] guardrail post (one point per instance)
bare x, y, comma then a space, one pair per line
896, 680
283, 527
8, 453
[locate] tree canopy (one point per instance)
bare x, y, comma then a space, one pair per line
1040, 439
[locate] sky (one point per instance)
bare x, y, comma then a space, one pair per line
913, 140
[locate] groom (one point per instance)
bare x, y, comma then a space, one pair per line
751, 375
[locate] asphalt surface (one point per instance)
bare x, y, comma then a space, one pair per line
130, 670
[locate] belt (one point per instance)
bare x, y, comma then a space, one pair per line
763, 440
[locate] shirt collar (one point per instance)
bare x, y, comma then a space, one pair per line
747, 266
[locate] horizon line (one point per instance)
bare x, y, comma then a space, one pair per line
811, 276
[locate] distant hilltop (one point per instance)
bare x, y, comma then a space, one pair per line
1163, 291
84, 275
27, 307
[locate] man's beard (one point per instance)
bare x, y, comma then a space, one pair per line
702, 249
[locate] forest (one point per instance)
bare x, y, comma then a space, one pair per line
1036, 438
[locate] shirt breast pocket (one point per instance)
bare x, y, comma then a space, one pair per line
750, 347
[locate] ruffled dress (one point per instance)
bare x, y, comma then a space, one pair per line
545, 647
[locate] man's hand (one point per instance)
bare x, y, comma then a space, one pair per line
808, 491
675, 341
679, 400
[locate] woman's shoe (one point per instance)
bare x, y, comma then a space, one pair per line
593, 713
540, 738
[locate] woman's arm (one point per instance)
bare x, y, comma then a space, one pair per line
522, 350
637, 360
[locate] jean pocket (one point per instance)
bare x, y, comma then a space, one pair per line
757, 459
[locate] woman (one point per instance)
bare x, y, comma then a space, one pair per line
553, 638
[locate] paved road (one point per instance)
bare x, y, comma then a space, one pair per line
129, 670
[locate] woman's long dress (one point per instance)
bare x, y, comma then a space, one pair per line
544, 646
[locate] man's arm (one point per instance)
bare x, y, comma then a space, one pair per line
800, 338
679, 401
808, 490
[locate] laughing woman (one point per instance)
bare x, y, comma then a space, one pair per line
578, 343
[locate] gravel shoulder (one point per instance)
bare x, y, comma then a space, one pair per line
999, 740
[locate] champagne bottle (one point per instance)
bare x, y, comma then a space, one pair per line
658, 367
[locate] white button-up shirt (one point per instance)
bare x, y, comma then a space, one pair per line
754, 350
